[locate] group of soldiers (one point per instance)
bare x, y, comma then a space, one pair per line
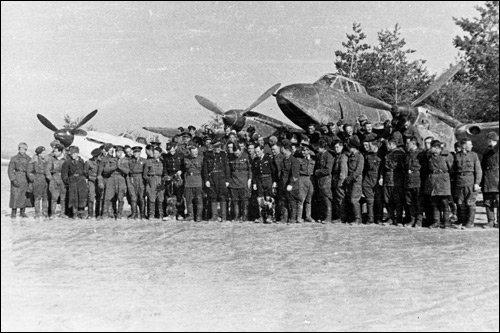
329, 174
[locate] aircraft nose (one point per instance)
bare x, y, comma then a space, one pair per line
298, 102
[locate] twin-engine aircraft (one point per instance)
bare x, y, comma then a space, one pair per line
87, 140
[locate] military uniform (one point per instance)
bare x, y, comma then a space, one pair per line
323, 174
57, 187
135, 185
18, 176
239, 174
216, 171
412, 186
306, 188
371, 188
193, 185
153, 176
36, 174
467, 173
339, 174
438, 187
489, 183
353, 181
73, 175
174, 184
278, 163
110, 181
94, 193
264, 175
393, 184
289, 199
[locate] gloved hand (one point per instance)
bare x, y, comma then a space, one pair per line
255, 187
207, 183
275, 185
227, 184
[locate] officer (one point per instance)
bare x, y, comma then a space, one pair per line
149, 151
339, 174
36, 174
264, 181
353, 181
468, 174
106, 178
288, 184
90, 171
370, 185
173, 164
215, 174
240, 180
393, 181
57, 187
193, 184
413, 182
323, 175
313, 135
153, 177
278, 157
489, 182
425, 199
306, 188
437, 184
135, 183
73, 175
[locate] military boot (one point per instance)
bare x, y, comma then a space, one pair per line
141, 210
308, 211
160, 211
13, 213
293, 213
151, 210
190, 212
119, 213
471, 215
328, 208
213, 205
245, 211
370, 212
223, 211
22, 212
236, 211
299, 207
199, 211
90, 214
37, 208
133, 211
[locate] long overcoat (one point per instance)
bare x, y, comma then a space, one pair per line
73, 175
18, 176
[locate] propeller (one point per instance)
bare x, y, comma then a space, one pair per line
67, 135
235, 118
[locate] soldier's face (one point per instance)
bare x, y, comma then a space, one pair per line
366, 146
492, 143
259, 152
251, 149
242, 146
172, 150
428, 144
137, 154
74, 156
368, 128
22, 150
310, 129
194, 152
338, 148
128, 152
156, 154
237, 152
467, 146
261, 141
149, 152
332, 128
120, 154
276, 150
349, 130
56, 152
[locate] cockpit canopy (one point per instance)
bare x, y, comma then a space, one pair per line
341, 83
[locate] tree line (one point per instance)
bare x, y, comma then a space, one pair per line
387, 73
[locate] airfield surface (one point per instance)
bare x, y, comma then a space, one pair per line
153, 275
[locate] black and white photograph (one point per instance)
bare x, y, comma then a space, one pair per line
268, 166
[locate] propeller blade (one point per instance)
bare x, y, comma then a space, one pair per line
46, 123
370, 101
266, 119
78, 132
263, 97
207, 104
438, 83
84, 121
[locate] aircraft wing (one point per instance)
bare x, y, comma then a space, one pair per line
477, 133
165, 131
275, 123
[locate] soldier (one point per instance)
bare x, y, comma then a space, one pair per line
306, 187
135, 183
393, 182
73, 175
278, 157
371, 186
425, 199
339, 174
323, 175
413, 182
215, 174
57, 187
264, 181
489, 182
468, 174
153, 176
288, 184
173, 164
193, 184
90, 171
240, 179
149, 151
36, 174
313, 135
353, 181
437, 184
106, 178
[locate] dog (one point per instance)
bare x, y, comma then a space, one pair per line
267, 209
173, 203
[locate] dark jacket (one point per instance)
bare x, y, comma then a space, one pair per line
489, 164
412, 169
18, 176
73, 175
240, 171
438, 177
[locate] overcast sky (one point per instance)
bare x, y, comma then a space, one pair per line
142, 63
